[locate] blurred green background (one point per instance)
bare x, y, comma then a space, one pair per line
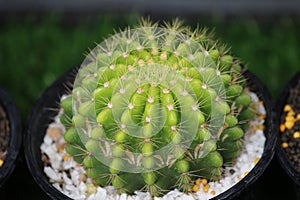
36, 50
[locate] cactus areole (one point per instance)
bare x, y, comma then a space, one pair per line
155, 107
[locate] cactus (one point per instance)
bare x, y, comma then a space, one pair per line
155, 107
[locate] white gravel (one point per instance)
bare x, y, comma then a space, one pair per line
69, 177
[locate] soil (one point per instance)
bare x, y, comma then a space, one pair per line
4, 134
290, 126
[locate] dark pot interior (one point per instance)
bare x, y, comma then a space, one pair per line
15, 128
282, 157
47, 106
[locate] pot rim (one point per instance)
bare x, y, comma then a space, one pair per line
281, 155
32, 162
15, 143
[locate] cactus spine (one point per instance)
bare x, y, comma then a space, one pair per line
155, 107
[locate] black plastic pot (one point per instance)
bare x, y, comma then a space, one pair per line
15, 142
241, 189
281, 155
47, 107
43, 113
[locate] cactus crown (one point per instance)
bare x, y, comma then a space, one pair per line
155, 107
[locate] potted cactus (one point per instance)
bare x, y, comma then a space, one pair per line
10, 136
153, 110
289, 131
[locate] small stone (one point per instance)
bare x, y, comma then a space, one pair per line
231, 171
291, 113
206, 188
198, 181
290, 118
289, 124
287, 108
296, 134
54, 133
52, 174
60, 147
66, 179
282, 128
204, 181
82, 177
66, 157
262, 117
195, 188
45, 159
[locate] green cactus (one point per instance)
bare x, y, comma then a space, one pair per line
155, 107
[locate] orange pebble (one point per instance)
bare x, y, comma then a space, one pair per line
196, 188
246, 173
291, 113
254, 128
213, 192
260, 103
287, 108
289, 124
282, 128
204, 181
296, 134
284, 145
256, 160
258, 127
289, 118
298, 116
261, 127
198, 181
206, 188
262, 116
60, 147
66, 157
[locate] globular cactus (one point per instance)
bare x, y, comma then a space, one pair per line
155, 107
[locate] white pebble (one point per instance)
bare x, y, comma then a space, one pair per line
68, 164
57, 186
143, 195
66, 179
56, 161
52, 174
101, 193
123, 196
82, 188
48, 140
185, 197
75, 177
